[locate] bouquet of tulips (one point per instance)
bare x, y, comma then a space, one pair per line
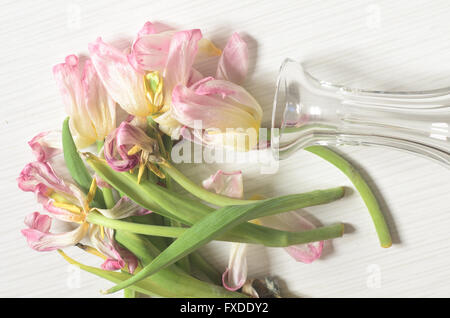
116, 184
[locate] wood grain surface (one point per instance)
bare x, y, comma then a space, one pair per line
370, 44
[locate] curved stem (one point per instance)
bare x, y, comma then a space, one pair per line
188, 211
107, 192
146, 229
363, 188
109, 198
271, 237
197, 190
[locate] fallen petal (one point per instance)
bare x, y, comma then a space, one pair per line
235, 275
293, 221
46, 145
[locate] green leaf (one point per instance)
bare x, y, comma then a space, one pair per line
272, 237
187, 211
171, 281
199, 264
209, 227
129, 293
76, 166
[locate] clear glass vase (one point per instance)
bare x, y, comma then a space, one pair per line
308, 111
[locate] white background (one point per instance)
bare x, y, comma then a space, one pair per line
370, 44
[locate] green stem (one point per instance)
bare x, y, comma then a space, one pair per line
363, 188
199, 191
215, 225
76, 166
107, 192
100, 144
188, 211
109, 198
171, 282
167, 283
147, 229
269, 237
129, 293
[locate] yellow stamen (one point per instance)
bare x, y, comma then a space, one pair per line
155, 170
153, 84
58, 197
140, 172
91, 193
256, 221
91, 250
102, 232
256, 197
206, 48
69, 207
134, 150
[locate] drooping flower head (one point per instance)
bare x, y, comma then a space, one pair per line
129, 146
157, 79
141, 82
92, 111
63, 200
228, 114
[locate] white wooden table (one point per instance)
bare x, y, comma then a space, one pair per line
372, 44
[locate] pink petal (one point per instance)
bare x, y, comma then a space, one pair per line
46, 145
68, 80
147, 29
209, 86
293, 221
37, 221
233, 64
229, 114
112, 264
40, 173
118, 256
228, 184
231, 93
121, 80
100, 107
194, 77
123, 209
213, 111
235, 275
44, 241
149, 52
40, 178
231, 185
181, 56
